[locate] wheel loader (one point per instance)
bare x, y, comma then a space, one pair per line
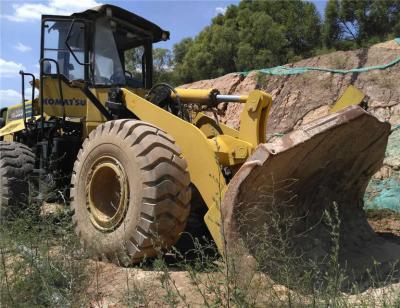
141, 161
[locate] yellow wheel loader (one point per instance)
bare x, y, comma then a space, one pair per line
141, 159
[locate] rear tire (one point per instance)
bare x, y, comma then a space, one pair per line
130, 192
16, 165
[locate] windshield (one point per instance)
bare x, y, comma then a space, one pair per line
107, 64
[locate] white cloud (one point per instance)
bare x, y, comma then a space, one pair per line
9, 97
220, 10
10, 68
73, 6
33, 11
22, 48
28, 93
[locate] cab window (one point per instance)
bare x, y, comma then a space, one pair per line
107, 68
55, 34
119, 55
134, 66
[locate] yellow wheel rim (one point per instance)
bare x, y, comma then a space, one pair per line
107, 193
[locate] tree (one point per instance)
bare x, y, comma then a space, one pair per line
162, 65
355, 23
182, 72
331, 24
253, 34
180, 49
264, 33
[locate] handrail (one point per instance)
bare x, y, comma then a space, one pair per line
42, 90
23, 74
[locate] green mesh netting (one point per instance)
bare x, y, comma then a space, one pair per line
283, 70
385, 193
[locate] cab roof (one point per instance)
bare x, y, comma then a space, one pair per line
114, 12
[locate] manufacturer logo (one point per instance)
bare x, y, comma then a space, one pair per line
67, 102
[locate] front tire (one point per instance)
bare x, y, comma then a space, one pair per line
130, 191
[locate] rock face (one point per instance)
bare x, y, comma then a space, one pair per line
299, 99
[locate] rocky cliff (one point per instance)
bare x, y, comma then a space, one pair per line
299, 99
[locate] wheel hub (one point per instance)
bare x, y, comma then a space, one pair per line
107, 193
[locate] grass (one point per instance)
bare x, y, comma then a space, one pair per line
42, 265
41, 262
221, 283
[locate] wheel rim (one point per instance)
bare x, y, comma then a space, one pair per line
107, 193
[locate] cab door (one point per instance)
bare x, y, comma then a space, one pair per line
60, 66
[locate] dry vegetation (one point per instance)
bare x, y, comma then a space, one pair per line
42, 265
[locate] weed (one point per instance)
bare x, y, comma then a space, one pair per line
41, 262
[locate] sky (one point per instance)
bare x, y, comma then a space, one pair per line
20, 29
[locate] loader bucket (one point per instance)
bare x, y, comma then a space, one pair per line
286, 186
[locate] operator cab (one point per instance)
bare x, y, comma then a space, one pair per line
104, 46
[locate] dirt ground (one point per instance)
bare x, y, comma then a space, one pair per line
113, 286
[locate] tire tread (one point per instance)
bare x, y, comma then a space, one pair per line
166, 188
16, 165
